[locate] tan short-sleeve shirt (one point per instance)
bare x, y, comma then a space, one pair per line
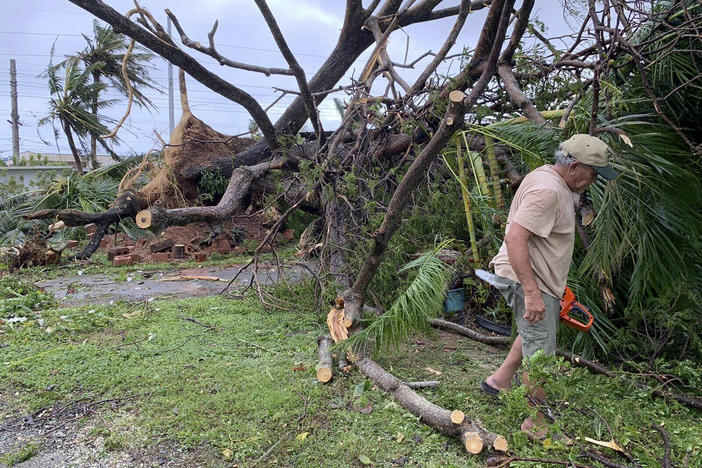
543, 204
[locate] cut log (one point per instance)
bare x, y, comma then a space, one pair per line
469, 432
587, 214
161, 245
472, 442
143, 219
178, 251
324, 358
343, 362
457, 416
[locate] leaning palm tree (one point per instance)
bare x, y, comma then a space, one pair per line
68, 105
103, 55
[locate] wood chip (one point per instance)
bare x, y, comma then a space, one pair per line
335, 322
611, 444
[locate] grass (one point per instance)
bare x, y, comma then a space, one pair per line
235, 383
24, 453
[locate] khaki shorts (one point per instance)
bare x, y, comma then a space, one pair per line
535, 336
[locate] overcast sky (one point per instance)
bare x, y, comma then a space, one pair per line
29, 28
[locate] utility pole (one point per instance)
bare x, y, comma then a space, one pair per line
15, 114
171, 119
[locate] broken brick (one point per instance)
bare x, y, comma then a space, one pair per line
115, 251
199, 256
161, 257
122, 260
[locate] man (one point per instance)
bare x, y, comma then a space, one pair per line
533, 261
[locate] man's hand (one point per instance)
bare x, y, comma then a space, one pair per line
534, 306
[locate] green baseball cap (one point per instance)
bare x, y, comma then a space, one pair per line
592, 151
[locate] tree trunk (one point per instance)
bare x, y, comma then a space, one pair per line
72, 145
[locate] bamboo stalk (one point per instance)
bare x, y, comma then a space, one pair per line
494, 171
466, 200
476, 163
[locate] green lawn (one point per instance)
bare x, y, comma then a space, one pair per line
236, 383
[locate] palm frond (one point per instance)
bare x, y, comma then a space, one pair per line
410, 313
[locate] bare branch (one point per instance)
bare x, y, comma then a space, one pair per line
212, 51
179, 58
450, 41
299, 73
518, 31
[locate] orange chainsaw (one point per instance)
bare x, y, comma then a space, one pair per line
568, 305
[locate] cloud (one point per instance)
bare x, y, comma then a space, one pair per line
304, 11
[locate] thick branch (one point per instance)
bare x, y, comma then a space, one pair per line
126, 205
518, 31
156, 218
472, 334
177, 57
516, 95
450, 41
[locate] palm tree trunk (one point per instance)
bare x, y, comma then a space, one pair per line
74, 150
93, 138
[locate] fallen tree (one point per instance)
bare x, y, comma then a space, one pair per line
385, 148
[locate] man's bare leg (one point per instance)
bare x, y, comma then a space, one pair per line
502, 377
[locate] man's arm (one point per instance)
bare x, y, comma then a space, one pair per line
516, 241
